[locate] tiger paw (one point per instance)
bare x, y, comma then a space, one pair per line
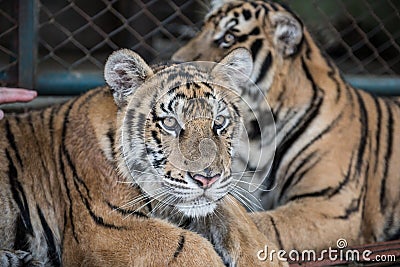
18, 258
238, 240
244, 253
194, 250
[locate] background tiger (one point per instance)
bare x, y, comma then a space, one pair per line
337, 164
63, 202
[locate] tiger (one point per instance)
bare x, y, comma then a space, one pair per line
99, 180
336, 170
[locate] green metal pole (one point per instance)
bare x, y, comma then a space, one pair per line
27, 42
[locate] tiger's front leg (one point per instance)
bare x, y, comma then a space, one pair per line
147, 242
309, 224
234, 235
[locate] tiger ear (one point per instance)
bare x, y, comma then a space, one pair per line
234, 69
288, 33
124, 72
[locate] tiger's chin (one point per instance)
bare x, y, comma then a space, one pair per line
197, 208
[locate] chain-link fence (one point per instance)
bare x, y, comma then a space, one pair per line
363, 36
60, 46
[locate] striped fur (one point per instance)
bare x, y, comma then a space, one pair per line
336, 172
67, 198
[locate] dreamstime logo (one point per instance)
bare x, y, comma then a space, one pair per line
161, 98
339, 253
341, 243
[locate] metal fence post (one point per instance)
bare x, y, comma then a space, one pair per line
27, 42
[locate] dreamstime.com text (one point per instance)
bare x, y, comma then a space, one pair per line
333, 254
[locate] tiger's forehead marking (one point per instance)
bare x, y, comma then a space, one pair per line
188, 80
194, 99
199, 107
188, 71
193, 90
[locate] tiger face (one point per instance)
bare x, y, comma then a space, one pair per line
271, 32
178, 127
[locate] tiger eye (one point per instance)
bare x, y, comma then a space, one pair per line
170, 123
229, 37
219, 121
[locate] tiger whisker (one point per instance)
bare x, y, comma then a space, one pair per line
182, 216
230, 198
244, 175
136, 182
244, 199
168, 202
135, 200
220, 217
152, 174
175, 209
142, 197
125, 182
162, 204
241, 172
148, 181
258, 186
151, 199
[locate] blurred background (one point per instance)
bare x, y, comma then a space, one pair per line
59, 47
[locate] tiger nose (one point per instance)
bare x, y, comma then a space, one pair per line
205, 181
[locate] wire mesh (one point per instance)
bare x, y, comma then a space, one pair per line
80, 34
362, 36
